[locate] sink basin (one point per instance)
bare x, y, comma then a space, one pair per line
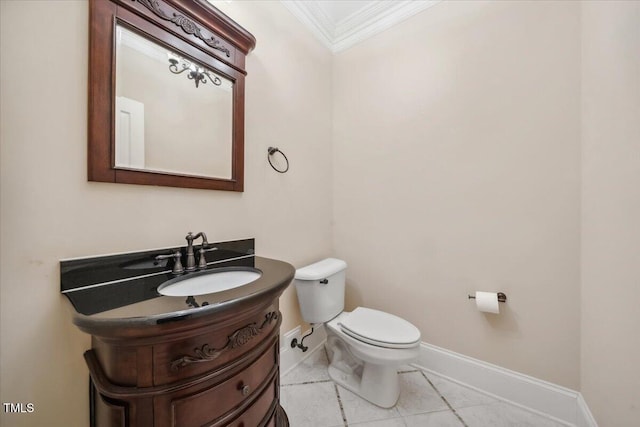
207, 282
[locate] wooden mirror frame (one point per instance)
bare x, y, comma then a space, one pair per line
190, 27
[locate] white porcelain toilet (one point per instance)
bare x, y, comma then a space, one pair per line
365, 346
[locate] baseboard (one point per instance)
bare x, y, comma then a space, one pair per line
585, 417
290, 357
550, 400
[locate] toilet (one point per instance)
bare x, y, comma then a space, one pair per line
365, 346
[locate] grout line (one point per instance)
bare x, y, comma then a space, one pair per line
444, 399
335, 387
306, 382
344, 417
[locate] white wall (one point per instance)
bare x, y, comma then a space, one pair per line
49, 211
610, 375
457, 168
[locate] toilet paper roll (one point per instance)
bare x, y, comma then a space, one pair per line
487, 302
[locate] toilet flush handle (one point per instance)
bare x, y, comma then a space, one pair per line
324, 281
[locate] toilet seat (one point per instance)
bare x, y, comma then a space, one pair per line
379, 328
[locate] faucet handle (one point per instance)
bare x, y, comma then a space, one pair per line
202, 259
177, 263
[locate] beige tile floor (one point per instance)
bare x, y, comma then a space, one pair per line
311, 399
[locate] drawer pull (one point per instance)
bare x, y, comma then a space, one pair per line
245, 390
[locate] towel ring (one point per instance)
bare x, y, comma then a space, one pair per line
272, 151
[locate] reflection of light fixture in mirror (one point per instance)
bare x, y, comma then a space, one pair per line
197, 74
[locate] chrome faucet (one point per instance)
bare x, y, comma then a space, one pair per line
191, 259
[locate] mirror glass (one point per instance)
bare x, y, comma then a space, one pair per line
172, 114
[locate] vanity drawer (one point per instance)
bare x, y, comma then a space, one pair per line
261, 413
207, 405
199, 354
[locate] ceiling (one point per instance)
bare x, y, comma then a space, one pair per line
339, 24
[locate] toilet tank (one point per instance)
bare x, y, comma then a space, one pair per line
320, 288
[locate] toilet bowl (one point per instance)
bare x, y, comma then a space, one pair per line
365, 346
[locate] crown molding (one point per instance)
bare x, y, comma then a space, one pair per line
314, 18
373, 18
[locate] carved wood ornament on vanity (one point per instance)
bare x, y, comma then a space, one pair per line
191, 28
237, 339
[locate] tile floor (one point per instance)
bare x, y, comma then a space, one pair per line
311, 399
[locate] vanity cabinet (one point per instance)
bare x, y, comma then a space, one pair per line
220, 369
159, 361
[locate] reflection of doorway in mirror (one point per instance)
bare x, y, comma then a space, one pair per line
129, 133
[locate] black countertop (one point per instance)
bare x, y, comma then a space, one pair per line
276, 276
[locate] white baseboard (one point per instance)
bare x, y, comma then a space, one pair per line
290, 357
550, 400
585, 417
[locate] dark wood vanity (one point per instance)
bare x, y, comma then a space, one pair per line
212, 360
215, 370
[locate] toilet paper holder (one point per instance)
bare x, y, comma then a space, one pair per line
501, 297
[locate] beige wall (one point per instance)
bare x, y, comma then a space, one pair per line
457, 167
610, 374
49, 211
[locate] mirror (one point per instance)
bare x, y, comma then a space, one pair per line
166, 94
158, 95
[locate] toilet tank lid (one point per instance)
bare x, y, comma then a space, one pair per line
321, 269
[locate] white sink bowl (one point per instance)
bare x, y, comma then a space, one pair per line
207, 282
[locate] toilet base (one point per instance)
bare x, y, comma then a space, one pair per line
368, 387
379, 384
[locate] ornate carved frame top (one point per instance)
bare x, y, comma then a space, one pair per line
219, 32
193, 27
